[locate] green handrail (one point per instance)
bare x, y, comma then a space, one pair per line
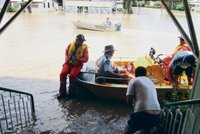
187, 102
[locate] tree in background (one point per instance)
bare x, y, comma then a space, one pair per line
127, 5
60, 2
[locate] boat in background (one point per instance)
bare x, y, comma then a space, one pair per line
95, 27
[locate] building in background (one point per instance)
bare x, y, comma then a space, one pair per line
37, 5
89, 6
119, 5
195, 5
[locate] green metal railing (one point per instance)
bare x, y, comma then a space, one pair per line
17, 110
173, 116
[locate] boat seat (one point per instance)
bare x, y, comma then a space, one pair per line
102, 80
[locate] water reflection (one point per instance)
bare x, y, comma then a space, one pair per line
32, 53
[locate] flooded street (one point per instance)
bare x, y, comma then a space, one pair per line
32, 53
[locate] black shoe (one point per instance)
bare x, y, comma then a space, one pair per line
62, 96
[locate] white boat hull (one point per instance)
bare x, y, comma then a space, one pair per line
95, 27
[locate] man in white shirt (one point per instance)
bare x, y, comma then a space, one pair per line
142, 92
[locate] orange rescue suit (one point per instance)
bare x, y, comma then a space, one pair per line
73, 65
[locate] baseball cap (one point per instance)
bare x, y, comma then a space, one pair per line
80, 37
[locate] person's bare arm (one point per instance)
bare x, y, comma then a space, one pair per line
129, 99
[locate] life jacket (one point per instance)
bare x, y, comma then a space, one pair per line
78, 53
183, 47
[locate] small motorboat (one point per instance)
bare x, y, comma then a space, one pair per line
95, 27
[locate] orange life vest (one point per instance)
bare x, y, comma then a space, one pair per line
182, 47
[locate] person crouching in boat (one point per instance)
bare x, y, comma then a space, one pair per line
104, 66
76, 54
182, 61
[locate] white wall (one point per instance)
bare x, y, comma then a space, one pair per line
46, 6
103, 7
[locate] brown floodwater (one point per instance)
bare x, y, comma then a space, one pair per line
32, 53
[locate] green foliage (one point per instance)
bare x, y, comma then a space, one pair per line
157, 4
172, 5
179, 7
60, 2
127, 5
176, 96
147, 4
11, 9
176, 6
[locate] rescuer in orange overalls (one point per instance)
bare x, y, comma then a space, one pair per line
76, 54
182, 46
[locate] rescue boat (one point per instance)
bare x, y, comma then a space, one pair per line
87, 81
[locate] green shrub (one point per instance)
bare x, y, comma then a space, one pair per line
147, 4
11, 9
179, 7
157, 4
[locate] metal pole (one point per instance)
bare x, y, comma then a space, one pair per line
13, 17
4, 9
4, 109
15, 107
181, 30
25, 119
191, 28
28, 116
20, 115
11, 121
32, 105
